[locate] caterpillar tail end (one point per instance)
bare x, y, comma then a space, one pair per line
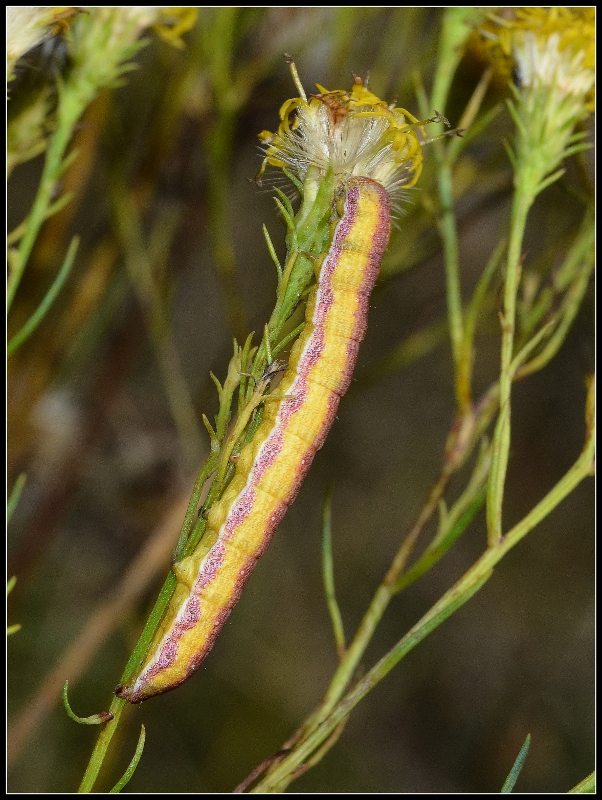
131, 694
127, 693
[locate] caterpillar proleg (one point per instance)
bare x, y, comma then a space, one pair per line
272, 467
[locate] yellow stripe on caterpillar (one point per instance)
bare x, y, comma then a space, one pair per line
271, 468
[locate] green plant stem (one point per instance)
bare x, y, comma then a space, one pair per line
100, 46
280, 777
101, 747
519, 762
458, 448
449, 237
50, 296
586, 786
436, 551
118, 704
323, 725
385, 592
523, 200
13, 497
310, 229
544, 120
193, 505
328, 576
125, 778
453, 34
373, 615
221, 27
141, 273
67, 115
17, 233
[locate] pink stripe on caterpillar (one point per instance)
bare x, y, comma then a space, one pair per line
271, 468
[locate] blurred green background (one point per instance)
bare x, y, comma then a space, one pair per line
161, 185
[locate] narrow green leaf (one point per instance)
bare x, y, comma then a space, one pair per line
517, 766
132, 765
286, 203
272, 252
39, 314
10, 585
287, 219
292, 335
94, 719
293, 179
218, 385
328, 575
150, 627
441, 545
15, 494
17, 233
586, 786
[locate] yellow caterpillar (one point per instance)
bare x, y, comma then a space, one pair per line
271, 468
374, 153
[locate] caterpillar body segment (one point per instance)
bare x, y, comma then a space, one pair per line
272, 467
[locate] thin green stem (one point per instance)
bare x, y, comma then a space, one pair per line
454, 32
125, 778
67, 115
516, 767
435, 553
285, 771
501, 441
586, 786
453, 36
101, 747
449, 237
17, 233
93, 719
311, 228
99, 49
15, 494
141, 272
220, 26
50, 296
193, 505
381, 599
328, 576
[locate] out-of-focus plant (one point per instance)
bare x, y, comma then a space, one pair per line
545, 57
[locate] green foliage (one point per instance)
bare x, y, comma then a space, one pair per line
511, 310
510, 781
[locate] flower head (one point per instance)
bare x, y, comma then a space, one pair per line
27, 26
546, 47
352, 133
173, 22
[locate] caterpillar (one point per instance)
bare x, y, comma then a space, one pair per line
272, 467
